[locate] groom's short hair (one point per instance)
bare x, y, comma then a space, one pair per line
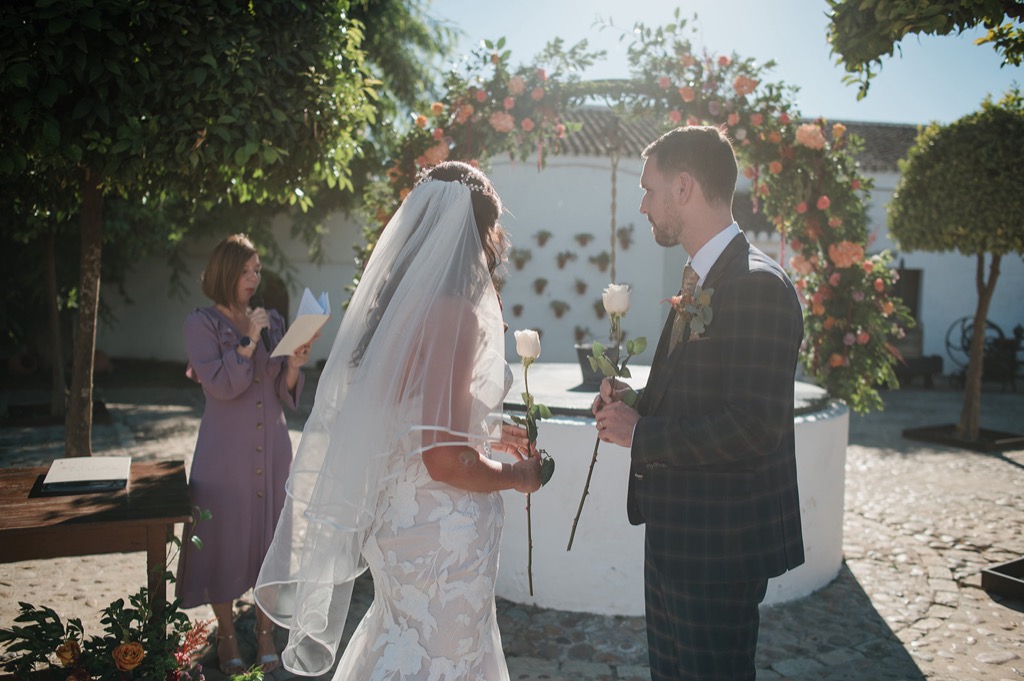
703, 151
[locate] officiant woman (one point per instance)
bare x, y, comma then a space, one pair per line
243, 451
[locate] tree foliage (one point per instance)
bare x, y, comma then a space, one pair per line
217, 101
863, 31
960, 190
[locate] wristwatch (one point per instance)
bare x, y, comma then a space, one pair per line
245, 342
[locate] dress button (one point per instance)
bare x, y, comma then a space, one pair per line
259, 471
259, 494
257, 379
259, 448
259, 426
259, 405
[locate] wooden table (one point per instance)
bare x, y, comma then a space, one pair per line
140, 517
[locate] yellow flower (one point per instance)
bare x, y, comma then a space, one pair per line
68, 653
128, 656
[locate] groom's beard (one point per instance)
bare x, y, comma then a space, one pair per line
666, 233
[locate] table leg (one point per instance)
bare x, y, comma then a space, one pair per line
156, 558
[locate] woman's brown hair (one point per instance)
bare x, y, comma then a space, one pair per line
487, 207
226, 264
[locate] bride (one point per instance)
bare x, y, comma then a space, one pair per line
393, 469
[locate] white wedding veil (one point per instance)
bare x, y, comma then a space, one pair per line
419, 359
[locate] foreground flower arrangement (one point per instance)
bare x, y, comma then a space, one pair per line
136, 643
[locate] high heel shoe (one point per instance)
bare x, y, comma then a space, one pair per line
230, 666
269, 661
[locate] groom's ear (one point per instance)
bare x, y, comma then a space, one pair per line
682, 187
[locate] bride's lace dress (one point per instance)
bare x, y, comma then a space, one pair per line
433, 554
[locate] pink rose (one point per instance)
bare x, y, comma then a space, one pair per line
849, 339
823, 203
809, 135
733, 119
724, 60
845, 254
688, 60
675, 116
775, 167
801, 207
436, 154
437, 133
756, 119
834, 279
835, 222
537, 94
509, 103
541, 74
481, 96
687, 93
863, 337
526, 125
464, 113
664, 82
879, 285
784, 118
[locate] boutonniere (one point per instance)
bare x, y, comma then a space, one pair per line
694, 309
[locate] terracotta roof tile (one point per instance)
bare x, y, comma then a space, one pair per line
884, 143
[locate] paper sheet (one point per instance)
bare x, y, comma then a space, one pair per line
312, 315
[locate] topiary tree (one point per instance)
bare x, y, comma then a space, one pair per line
216, 101
863, 30
961, 190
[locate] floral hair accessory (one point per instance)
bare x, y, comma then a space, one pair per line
467, 180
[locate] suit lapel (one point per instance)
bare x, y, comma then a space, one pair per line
666, 367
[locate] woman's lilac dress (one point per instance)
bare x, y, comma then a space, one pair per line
241, 459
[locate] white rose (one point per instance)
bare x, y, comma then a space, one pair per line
528, 344
616, 299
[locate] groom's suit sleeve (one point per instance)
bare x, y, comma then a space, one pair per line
731, 397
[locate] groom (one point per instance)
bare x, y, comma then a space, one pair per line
713, 468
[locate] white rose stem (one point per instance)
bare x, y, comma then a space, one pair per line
529, 517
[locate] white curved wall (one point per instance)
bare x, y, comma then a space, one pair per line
603, 573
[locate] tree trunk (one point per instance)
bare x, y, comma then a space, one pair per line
78, 434
58, 387
970, 415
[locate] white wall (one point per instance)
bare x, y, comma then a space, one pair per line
571, 195
151, 326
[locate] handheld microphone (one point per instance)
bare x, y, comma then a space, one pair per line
254, 302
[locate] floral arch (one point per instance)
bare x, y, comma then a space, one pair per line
803, 174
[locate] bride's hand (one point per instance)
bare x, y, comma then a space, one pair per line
514, 440
526, 474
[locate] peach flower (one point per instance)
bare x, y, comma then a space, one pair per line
775, 137
526, 124
744, 85
437, 108
541, 74
688, 60
749, 172
775, 167
687, 93
836, 360
756, 119
835, 222
437, 133
509, 102
809, 135
724, 60
837, 130
421, 121
481, 96
537, 94
664, 82
516, 85
879, 284
502, 121
733, 119
888, 307
845, 254
128, 656
464, 113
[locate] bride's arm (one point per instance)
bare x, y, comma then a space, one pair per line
449, 352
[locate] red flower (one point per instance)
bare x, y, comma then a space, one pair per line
823, 203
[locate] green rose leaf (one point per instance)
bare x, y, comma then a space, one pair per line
547, 469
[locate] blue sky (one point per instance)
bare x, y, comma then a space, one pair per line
934, 79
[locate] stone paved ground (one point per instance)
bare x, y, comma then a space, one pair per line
921, 522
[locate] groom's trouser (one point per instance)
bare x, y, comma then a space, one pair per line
701, 631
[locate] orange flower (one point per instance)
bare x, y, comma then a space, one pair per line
863, 337
749, 172
744, 85
687, 93
836, 360
437, 108
128, 656
887, 308
879, 285
867, 266
775, 167
775, 137
828, 323
818, 309
724, 60
436, 153
837, 130
421, 121
845, 254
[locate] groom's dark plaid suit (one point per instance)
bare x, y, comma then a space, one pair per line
713, 471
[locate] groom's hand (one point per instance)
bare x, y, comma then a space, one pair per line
615, 423
612, 390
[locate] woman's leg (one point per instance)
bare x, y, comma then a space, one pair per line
229, 656
266, 649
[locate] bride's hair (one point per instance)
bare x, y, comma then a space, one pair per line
487, 207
